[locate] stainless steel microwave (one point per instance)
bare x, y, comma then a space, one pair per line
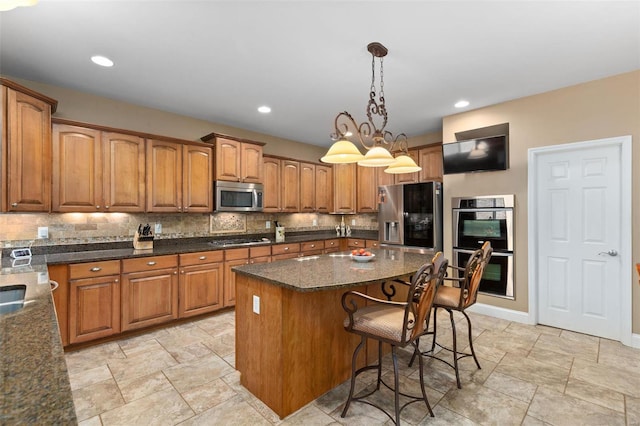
237, 196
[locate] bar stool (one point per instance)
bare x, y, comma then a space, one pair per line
396, 323
458, 298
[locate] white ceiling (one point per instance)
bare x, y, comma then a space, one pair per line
220, 60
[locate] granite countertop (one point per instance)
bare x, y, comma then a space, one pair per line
336, 270
34, 381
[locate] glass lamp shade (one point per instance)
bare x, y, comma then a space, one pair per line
403, 164
342, 152
377, 157
12, 4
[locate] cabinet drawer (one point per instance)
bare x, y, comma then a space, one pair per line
354, 242
285, 248
312, 246
149, 263
94, 269
284, 256
236, 254
201, 257
372, 244
332, 244
260, 251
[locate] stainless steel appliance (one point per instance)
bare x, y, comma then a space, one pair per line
486, 218
411, 215
237, 196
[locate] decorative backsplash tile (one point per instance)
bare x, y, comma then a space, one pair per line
20, 230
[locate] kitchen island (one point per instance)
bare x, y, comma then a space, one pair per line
291, 346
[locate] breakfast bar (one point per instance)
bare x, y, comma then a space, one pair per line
291, 346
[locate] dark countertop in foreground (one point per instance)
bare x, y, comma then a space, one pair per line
331, 271
33, 379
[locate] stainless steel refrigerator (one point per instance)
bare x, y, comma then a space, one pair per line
411, 215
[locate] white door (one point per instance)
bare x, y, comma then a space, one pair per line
579, 212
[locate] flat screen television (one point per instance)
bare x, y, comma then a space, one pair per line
476, 155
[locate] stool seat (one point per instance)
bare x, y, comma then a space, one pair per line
386, 322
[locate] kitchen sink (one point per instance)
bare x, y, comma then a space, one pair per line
12, 298
239, 242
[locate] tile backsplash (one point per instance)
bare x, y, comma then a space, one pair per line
19, 230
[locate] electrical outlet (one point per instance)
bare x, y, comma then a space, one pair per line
267, 224
353, 222
315, 222
43, 232
256, 304
158, 228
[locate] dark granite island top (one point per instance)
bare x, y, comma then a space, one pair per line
291, 346
33, 373
338, 270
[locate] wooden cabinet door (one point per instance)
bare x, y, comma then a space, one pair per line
164, 176
409, 177
324, 189
232, 257
290, 195
384, 178
228, 154
94, 308
200, 289
28, 153
123, 172
271, 182
149, 298
307, 187
367, 194
251, 163
344, 190
431, 163
197, 194
77, 169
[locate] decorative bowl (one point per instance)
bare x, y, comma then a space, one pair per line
359, 258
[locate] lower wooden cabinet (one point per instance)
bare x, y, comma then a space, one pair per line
149, 291
232, 257
94, 300
60, 274
200, 284
332, 245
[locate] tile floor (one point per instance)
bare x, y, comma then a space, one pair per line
531, 375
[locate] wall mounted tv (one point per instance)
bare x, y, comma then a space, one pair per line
476, 155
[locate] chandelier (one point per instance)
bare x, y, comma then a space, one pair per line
380, 144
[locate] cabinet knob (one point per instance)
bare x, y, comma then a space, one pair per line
286, 248
186, 208
106, 207
182, 272
98, 207
175, 272
96, 269
313, 245
116, 280
202, 257
179, 208
355, 243
151, 263
14, 204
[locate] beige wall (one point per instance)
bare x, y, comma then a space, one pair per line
79, 106
594, 110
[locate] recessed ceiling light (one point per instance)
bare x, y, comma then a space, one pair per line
264, 109
103, 61
461, 104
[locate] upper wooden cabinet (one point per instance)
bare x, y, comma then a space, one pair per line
281, 185
290, 195
97, 171
271, 192
367, 194
431, 163
324, 189
25, 150
238, 161
178, 177
307, 187
344, 188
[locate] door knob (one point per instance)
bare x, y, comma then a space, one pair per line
611, 253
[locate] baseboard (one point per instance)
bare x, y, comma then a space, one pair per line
522, 317
502, 313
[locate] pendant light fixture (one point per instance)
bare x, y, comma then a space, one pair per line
370, 136
6, 5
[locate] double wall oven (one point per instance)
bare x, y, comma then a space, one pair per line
480, 219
